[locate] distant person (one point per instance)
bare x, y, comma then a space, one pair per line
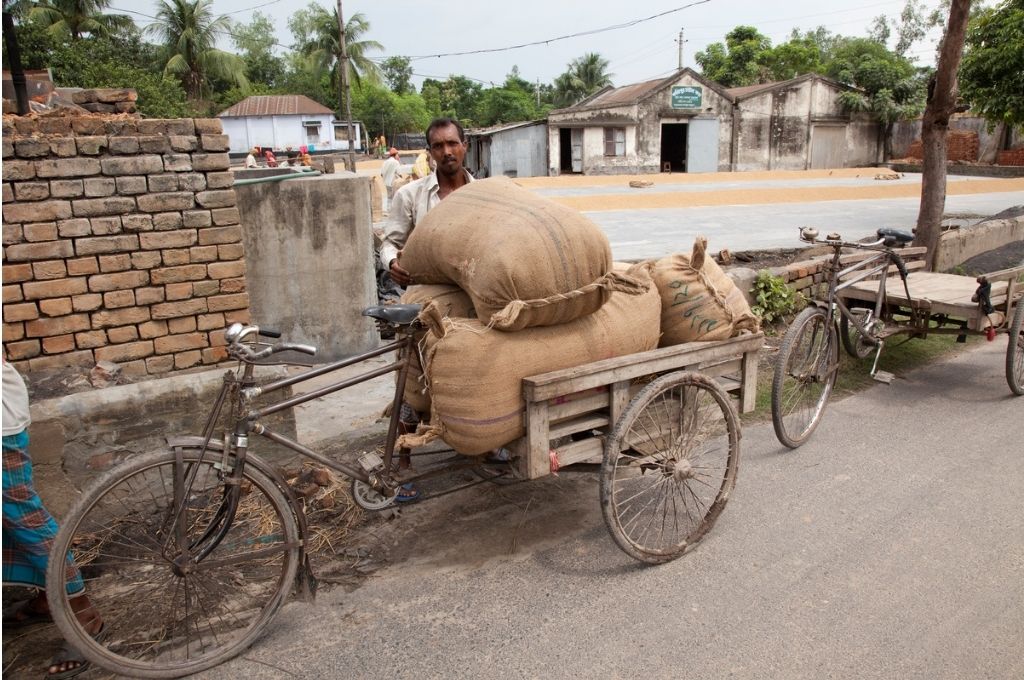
268, 156
250, 160
423, 166
382, 146
390, 171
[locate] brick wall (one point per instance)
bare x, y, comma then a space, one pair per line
961, 146
1011, 157
121, 242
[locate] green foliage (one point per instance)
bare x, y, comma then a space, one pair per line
383, 111
504, 105
77, 18
739, 61
990, 75
316, 35
458, 97
912, 25
256, 41
773, 299
397, 72
583, 77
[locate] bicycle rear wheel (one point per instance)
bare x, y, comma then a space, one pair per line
805, 372
669, 467
854, 342
162, 618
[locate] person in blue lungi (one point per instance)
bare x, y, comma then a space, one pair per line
29, 531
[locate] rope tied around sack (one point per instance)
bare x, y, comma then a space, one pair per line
612, 282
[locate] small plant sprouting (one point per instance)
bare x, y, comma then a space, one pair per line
773, 299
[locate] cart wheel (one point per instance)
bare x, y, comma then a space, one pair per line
669, 466
1015, 351
856, 345
805, 372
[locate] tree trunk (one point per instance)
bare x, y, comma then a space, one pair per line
942, 93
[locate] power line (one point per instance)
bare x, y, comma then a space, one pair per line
535, 43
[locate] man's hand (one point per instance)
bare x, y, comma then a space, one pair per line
399, 275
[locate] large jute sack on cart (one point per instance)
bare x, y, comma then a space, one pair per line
451, 301
698, 300
474, 374
524, 260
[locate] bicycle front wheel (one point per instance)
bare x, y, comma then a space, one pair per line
1015, 351
805, 372
166, 613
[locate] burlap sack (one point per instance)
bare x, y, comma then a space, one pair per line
475, 374
451, 301
698, 300
524, 260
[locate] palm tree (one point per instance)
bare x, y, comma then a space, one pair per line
584, 76
324, 44
77, 17
188, 32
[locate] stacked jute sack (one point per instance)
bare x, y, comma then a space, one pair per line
515, 285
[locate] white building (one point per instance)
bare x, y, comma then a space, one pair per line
282, 121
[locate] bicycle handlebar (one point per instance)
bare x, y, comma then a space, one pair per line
237, 333
810, 235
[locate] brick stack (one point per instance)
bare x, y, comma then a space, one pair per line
121, 242
961, 145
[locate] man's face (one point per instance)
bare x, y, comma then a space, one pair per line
447, 150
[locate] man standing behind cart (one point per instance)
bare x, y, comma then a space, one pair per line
447, 143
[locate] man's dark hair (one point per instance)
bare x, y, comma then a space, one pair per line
445, 122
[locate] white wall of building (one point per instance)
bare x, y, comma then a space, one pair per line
281, 132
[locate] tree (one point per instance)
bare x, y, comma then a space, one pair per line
793, 58
385, 112
993, 61
583, 76
77, 18
188, 32
887, 83
316, 32
738, 62
458, 97
256, 42
302, 75
397, 73
934, 125
504, 105
913, 24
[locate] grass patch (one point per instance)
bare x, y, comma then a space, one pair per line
899, 357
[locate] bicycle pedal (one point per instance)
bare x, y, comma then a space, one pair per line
883, 377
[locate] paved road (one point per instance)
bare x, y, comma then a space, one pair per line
889, 546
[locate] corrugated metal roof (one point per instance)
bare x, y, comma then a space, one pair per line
275, 105
483, 131
749, 89
627, 94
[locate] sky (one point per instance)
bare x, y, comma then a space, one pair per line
643, 51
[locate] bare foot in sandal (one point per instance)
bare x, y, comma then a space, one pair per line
69, 661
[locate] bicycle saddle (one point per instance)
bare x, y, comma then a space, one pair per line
400, 315
894, 236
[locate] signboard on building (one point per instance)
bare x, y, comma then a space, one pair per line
687, 97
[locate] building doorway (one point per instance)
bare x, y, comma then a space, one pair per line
673, 146
570, 150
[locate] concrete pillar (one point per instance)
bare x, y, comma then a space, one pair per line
309, 261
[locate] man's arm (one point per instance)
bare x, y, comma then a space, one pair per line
398, 226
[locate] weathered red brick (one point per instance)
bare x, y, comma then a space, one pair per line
221, 198
40, 231
124, 280
174, 257
224, 217
13, 331
123, 145
46, 250
24, 349
218, 235
219, 180
133, 165
115, 263
67, 188
31, 191
13, 273
208, 126
74, 227
92, 145
60, 325
196, 219
145, 260
13, 234
106, 244
149, 296
125, 352
40, 211
182, 324
49, 269
167, 220
58, 344
152, 329
111, 205
83, 265
25, 311
236, 285
119, 317
168, 239
87, 302
188, 359
123, 334
191, 181
214, 142
205, 162
178, 291
162, 183
55, 306
80, 359
160, 364
225, 270
192, 272
64, 167
31, 148
174, 200
184, 143
205, 322
237, 316
97, 187
90, 339
63, 148
130, 184
214, 355
203, 254
118, 298
35, 290
19, 170
12, 293
137, 222
220, 303
169, 310
87, 126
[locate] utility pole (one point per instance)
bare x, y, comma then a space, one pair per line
345, 101
681, 41
538, 93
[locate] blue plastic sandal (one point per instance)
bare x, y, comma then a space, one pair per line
407, 493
